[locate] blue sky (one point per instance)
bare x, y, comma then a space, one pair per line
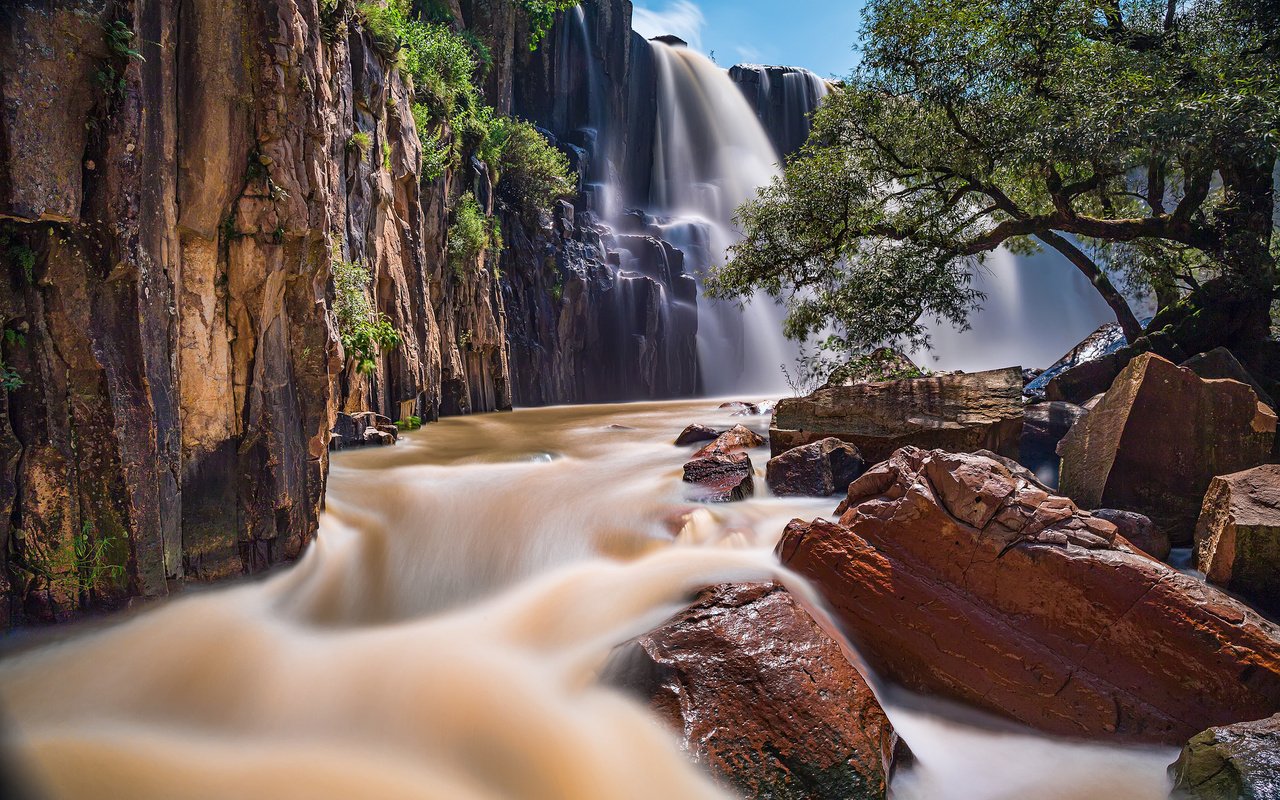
817, 34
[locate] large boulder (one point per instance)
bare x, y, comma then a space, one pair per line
721, 478
1221, 363
1138, 530
981, 410
820, 469
1238, 535
959, 577
1043, 426
734, 440
1157, 438
695, 433
761, 697
1232, 762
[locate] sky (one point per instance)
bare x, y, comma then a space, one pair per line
816, 34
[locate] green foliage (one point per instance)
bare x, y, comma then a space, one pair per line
120, 40
542, 15
470, 234
19, 255
386, 156
436, 155
10, 380
91, 560
360, 142
364, 334
530, 171
1136, 136
409, 423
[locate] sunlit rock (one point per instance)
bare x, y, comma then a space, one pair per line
819, 469
1238, 535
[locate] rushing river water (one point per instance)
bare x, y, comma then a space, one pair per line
441, 638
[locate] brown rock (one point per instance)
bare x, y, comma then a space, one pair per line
820, 469
696, 433
722, 478
734, 440
1158, 437
961, 579
1232, 762
1221, 363
1238, 535
1138, 530
982, 410
762, 697
744, 407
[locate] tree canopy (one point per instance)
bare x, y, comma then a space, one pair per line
1137, 138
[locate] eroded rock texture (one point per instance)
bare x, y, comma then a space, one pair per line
1157, 438
961, 578
977, 411
762, 697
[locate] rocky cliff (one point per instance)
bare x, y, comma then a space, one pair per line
178, 181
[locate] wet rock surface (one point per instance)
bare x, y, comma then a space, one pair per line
1138, 530
1233, 762
721, 478
1011, 599
961, 412
1237, 537
696, 433
736, 439
823, 468
761, 697
1157, 438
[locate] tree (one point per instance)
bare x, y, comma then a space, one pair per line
1133, 137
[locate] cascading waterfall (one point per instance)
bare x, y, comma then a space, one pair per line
784, 99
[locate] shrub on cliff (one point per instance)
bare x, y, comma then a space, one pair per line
363, 332
1138, 135
531, 173
470, 235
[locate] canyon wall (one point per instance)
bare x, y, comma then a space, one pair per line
178, 179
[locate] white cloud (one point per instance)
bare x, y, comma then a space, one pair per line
748, 54
679, 18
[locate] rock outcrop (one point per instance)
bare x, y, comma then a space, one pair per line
1138, 530
761, 697
958, 577
823, 468
1221, 363
721, 477
1237, 537
784, 98
1157, 438
977, 411
1232, 762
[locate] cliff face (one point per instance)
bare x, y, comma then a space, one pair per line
174, 178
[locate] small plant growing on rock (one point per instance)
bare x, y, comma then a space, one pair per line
363, 333
470, 234
409, 423
360, 142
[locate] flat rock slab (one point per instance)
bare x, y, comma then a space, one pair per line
960, 578
960, 412
1233, 762
1157, 438
1238, 535
761, 697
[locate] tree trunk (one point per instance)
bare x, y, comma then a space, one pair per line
1124, 315
1245, 223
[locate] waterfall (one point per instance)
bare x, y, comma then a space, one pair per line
784, 99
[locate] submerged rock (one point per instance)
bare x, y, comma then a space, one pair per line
958, 577
962, 412
1238, 535
761, 697
722, 478
696, 433
1138, 530
820, 469
1157, 438
1233, 762
734, 440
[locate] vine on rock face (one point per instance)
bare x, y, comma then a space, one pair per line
364, 333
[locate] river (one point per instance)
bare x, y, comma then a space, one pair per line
441, 638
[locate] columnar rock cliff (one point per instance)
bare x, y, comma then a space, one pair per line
177, 180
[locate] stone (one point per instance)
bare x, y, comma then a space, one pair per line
1237, 537
378, 437
958, 578
819, 469
1157, 438
721, 478
1088, 363
736, 439
1043, 426
962, 412
1221, 363
1231, 762
696, 433
743, 407
761, 697
1138, 530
